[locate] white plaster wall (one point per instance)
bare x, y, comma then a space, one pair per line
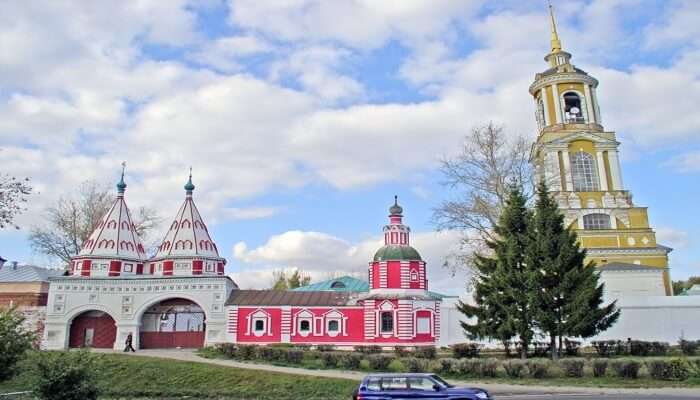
656, 318
621, 284
651, 318
126, 299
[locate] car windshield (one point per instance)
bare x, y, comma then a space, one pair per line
441, 381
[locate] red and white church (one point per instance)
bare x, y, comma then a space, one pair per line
180, 297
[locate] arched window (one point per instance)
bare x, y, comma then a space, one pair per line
387, 321
584, 172
572, 108
596, 221
539, 114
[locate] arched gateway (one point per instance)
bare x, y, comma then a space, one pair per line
173, 323
95, 329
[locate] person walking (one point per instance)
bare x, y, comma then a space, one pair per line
128, 345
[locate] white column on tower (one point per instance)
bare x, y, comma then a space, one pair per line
596, 106
614, 162
552, 175
557, 103
568, 183
589, 104
545, 103
601, 171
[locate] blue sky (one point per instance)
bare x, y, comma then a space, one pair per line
303, 118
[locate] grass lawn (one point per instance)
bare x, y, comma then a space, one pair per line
139, 377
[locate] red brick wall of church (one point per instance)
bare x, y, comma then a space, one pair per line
354, 328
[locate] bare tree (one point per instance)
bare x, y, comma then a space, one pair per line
480, 174
13, 195
74, 218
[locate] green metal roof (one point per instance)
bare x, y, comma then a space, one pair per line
342, 284
396, 252
348, 284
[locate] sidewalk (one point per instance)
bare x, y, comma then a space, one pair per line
496, 388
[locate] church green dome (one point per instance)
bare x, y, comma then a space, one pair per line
396, 252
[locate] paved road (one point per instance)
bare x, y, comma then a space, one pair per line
586, 396
500, 391
573, 396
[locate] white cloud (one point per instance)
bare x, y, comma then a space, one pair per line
678, 27
359, 23
226, 53
234, 213
322, 255
316, 68
672, 237
686, 163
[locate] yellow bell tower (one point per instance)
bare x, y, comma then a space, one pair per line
579, 161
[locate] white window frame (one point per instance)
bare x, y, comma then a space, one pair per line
128, 267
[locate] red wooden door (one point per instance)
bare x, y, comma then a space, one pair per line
98, 325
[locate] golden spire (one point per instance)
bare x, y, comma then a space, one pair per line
556, 43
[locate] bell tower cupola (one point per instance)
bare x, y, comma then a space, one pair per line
565, 96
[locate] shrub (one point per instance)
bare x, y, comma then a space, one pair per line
448, 365
247, 351
351, 360
609, 348
228, 350
325, 347
538, 369
689, 347
373, 349
415, 364
294, 356
429, 352
330, 360
628, 369
14, 339
514, 368
571, 347
365, 365
468, 368
396, 365
400, 351
466, 350
488, 368
573, 368
66, 376
600, 367
379, 362
669, 370
268, 353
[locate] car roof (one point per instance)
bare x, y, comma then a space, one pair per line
398, 375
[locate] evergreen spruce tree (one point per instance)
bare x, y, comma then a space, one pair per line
501, 288
568, 298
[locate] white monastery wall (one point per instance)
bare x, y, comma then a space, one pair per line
656, 318
619, 284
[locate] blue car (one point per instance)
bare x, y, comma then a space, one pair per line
414, 386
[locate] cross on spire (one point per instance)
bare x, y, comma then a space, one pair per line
121, 185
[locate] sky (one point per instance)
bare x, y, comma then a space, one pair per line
302, 119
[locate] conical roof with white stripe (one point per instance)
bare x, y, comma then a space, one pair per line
188, 235
115, 236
